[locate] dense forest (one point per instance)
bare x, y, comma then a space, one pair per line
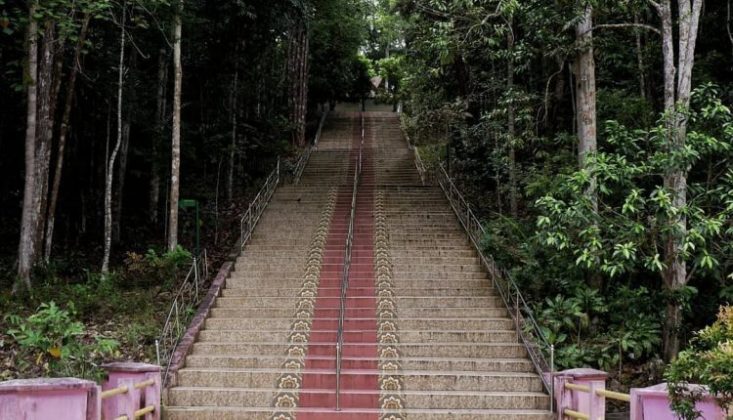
593, 138
116, 114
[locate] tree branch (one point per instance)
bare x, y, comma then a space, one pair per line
727, 26
628, 25
655, 5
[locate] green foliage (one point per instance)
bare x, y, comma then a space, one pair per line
338, 28
635, 209
585, 334
629, 111
156, 269
709, 362
393, 69
53, 340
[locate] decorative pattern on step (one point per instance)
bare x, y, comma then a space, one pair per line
290, 382
390, 380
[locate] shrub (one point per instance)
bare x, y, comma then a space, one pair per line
54, 341
709, 362
156, 269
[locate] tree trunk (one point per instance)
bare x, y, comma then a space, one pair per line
176, 134
640, 60
586, 95
118, 197
160, 128
111, 164
233, 146
728, 25
585, 79
677, 90
121, 172
63, 133
44, 133
26, 247
298, 75
511, 124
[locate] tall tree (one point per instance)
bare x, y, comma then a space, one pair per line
585, 77
26, 247
677, 90
511, 122
233, 146
176, 132
113, 157
160, 121
63, 133
298, 50
47, 94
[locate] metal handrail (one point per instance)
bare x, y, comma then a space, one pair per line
419, 164
250, 218
347, 267
305, 157
188, 296
528, 330
191, 291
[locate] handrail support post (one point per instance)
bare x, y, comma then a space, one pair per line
518, 314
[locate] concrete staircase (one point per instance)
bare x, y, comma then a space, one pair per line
425, 335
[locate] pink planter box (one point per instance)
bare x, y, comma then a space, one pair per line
652, 403
78, 399
49, 398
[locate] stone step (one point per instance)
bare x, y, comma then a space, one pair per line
429, 247
471, 381
326, 379
234, 290
405, 336
399, 282
465, 252
266, 413
329, 362
447, 400
400, 273
410, 350
435, 260
414, 267
448, 302
257, 312
446, 324
364, 302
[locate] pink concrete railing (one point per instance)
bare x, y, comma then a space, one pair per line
582, 394
131, 391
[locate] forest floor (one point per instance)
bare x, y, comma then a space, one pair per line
123, 307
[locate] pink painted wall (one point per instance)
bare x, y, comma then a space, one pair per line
129, 374
78, 399
47, 398
652, 403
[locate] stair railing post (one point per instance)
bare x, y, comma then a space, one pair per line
195, 276
468, 217
519, 336
552, 378
157, 351
338, 376
249, 228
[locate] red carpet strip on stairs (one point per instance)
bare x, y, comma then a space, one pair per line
359, 374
